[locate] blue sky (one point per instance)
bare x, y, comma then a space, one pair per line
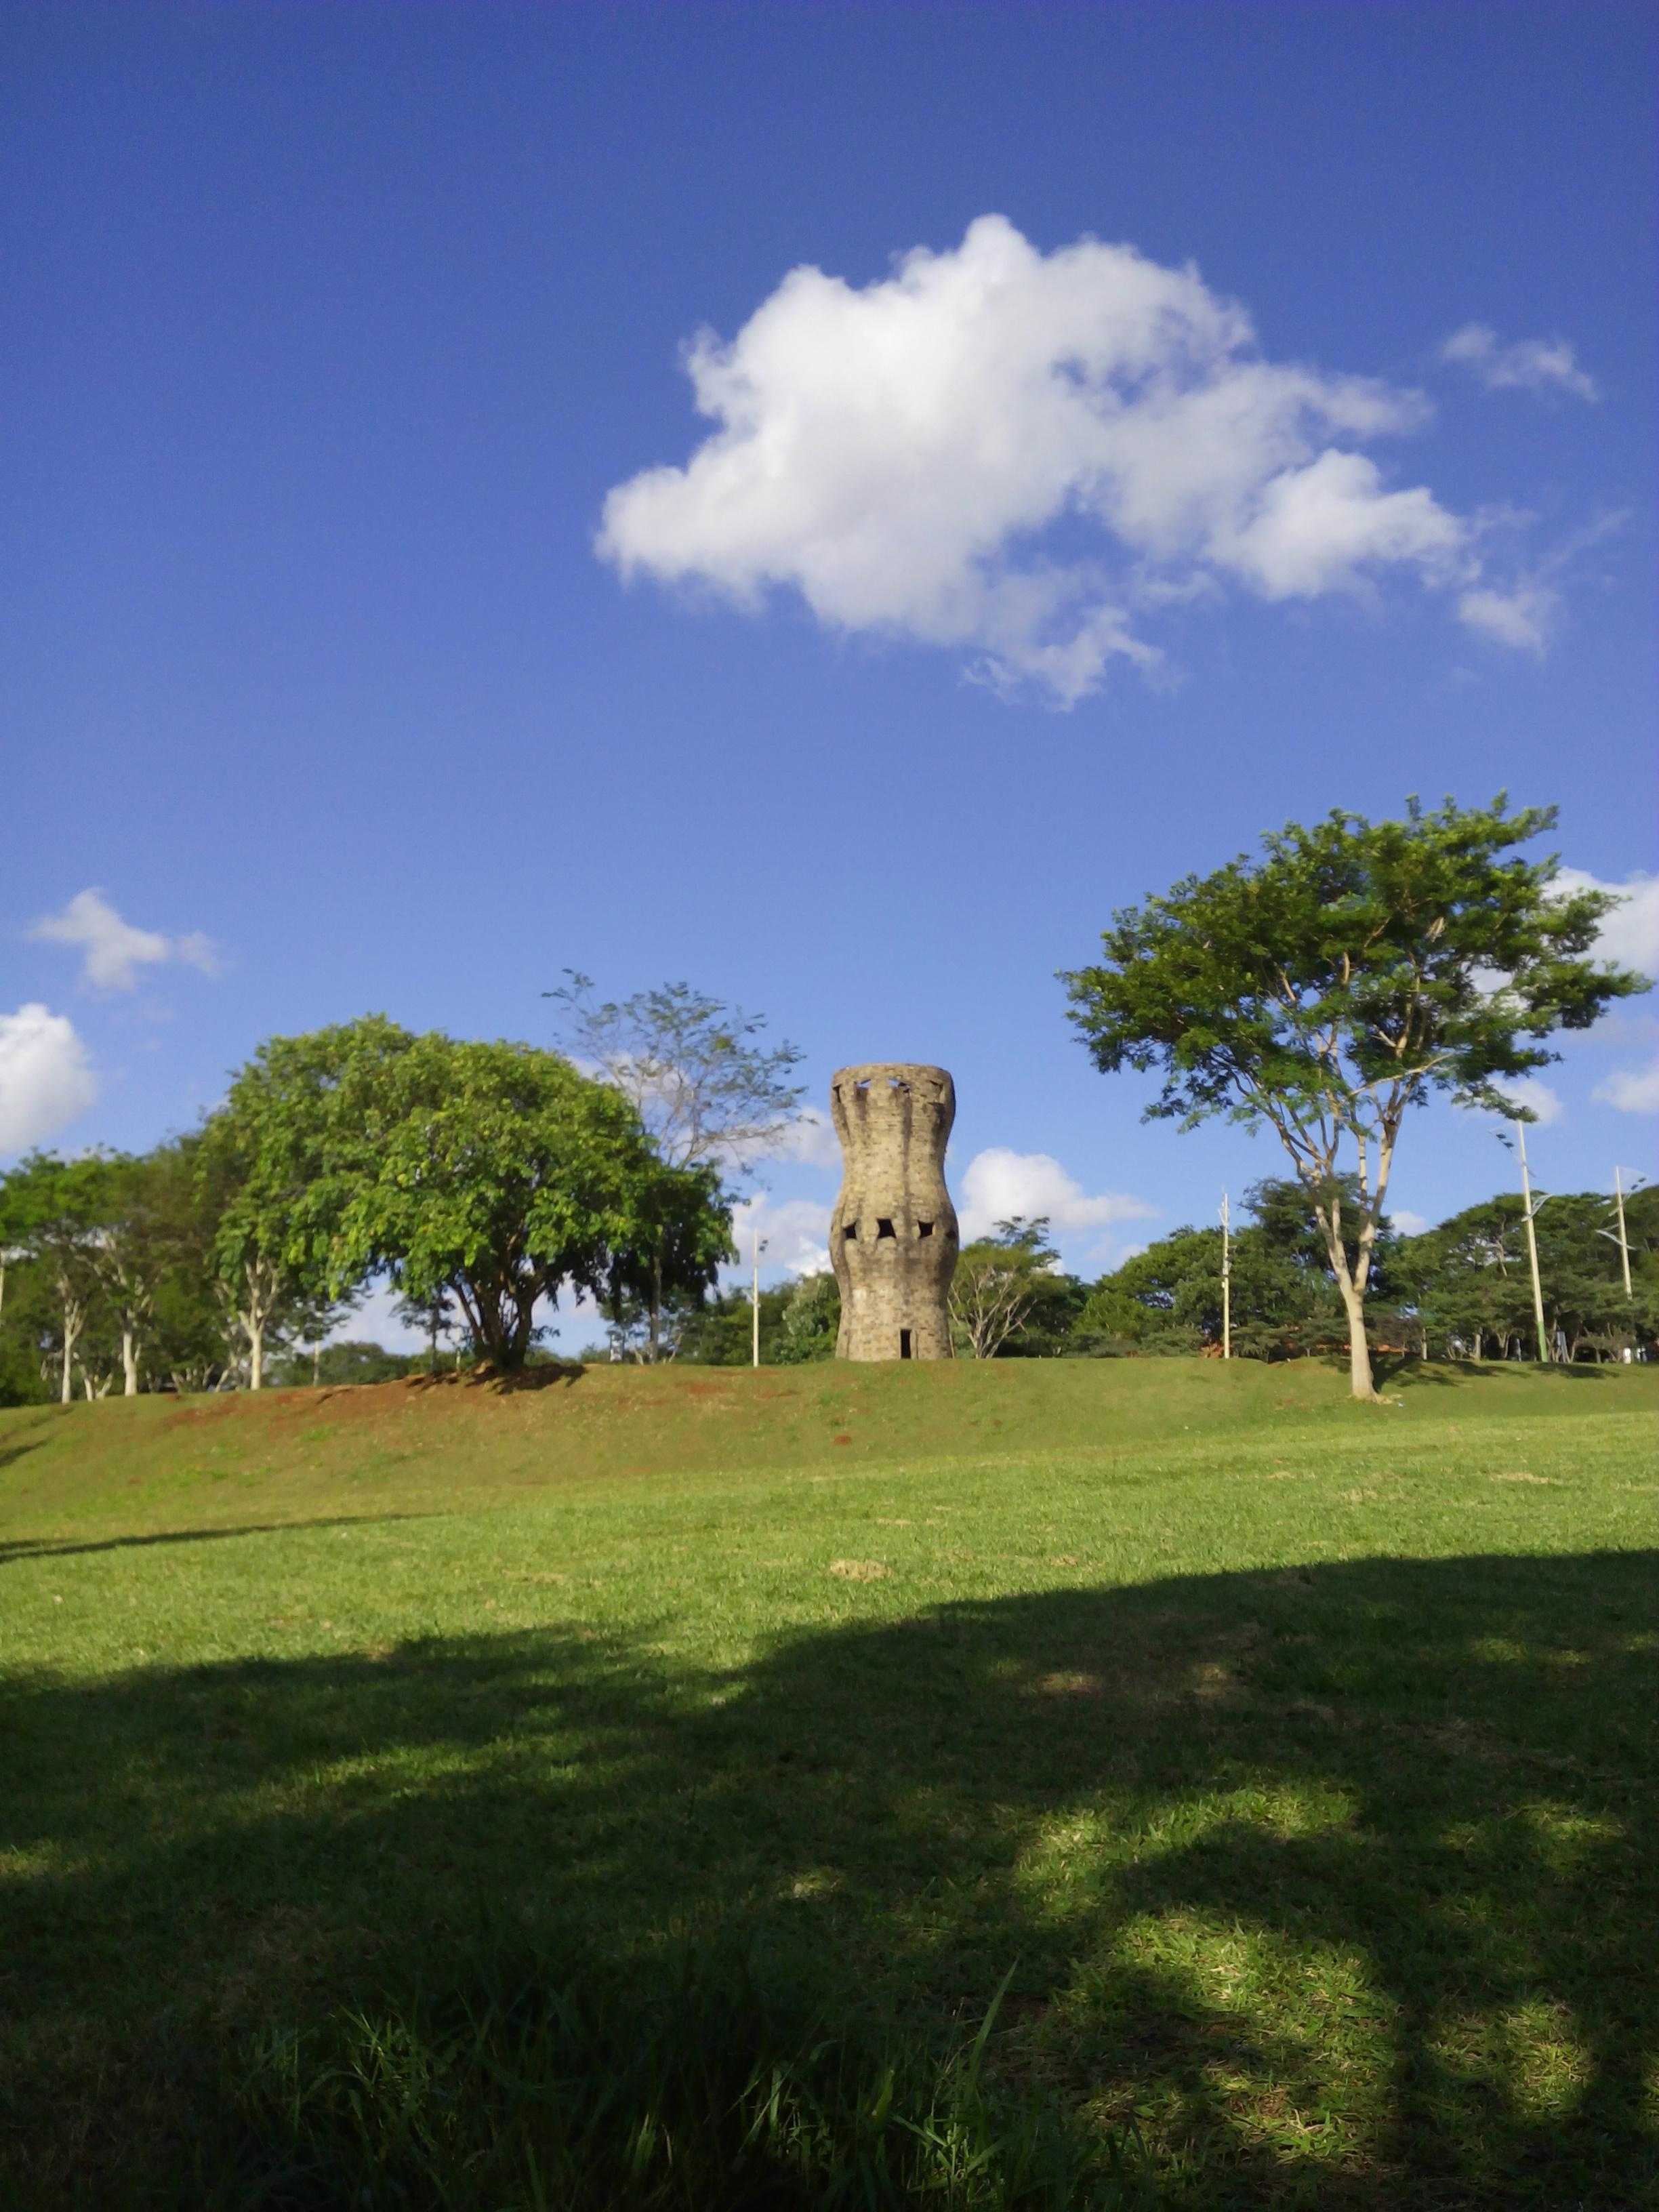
354, 660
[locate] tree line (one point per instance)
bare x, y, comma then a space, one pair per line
479, 1179
1458, 1291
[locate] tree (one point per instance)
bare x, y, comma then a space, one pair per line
498, 1172
1284, 1302
1470, 1282
277, 1164
720, 1331
55, 1210
142, 1237
811, 1320
682, 1235
706, 1093
433, 1314
1350, 974
1001, 1282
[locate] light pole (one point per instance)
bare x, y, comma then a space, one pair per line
1621, 1240
1530, 1211
1226, 1280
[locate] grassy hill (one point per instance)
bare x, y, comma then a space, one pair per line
1294, 1763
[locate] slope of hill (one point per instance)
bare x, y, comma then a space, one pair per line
1296, 1760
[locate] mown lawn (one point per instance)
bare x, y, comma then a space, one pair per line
1300, 1761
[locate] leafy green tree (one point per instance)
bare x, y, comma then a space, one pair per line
29, 1331
720, 1332
345, 1362
499, 1173
681, 1236
434, 1314
810, 1321
1006, 1286
143, 1237
1354, 970
55, 1210
707, 1094
1284, 1296
1469, 1282
279, 1162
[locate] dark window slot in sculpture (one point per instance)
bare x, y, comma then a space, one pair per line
924, 1229
884, 1228
904, 1343
851, 1231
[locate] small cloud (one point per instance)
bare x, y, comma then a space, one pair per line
809, 1138
1630, 934
1523, 618
1523, 365
114, 949
1632, 1090
998, 1184
199, 951
794, 1235
1407, 1222
1535, 1097
45, 1077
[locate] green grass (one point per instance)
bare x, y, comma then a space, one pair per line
1298, 1761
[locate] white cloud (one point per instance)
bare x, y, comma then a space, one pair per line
1536, 1096
1632, 1090
1523, 617
1407, 1222
1525, 364
809, 1138
794, 1234
115, 951
998, 1184
1630, 934
895, 451
45, 1077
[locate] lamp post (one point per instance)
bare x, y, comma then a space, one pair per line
1226, 1280
1531, 1211
1624, 1241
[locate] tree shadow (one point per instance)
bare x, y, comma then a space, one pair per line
1346, 1879
31, 1439
539, 1375
1403, 1369
14, 1549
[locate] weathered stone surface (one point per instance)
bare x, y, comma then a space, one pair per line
893, 1234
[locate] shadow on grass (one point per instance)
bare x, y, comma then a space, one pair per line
1395, 1370
30, 1440
51, 1547
1343, 1879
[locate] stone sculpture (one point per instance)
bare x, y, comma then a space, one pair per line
893, 1234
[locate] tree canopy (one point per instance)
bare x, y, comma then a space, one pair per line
503, 1174
710, 1098
1349, 973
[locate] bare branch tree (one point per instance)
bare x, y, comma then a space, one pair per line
707, 1094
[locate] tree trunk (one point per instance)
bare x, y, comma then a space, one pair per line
129, 1361
72, 1319
263, 1283
1353, 1296
656, 1305
1360, 1352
